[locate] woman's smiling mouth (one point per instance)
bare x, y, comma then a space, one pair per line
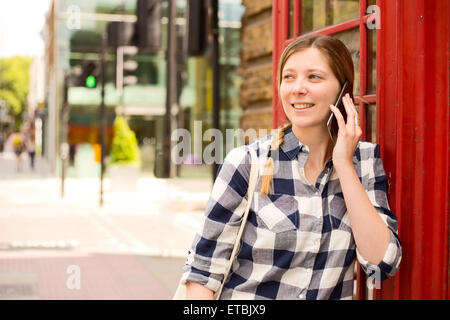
302, 106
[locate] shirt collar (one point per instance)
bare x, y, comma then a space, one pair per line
291, 146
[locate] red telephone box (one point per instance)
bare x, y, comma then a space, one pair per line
401, 54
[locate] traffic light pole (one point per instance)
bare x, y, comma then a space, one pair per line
216, 79
169, 124
102, 116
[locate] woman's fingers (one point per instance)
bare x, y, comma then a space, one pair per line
355, 128
339, 117
352, 116
350, 111
356, 113
351, 128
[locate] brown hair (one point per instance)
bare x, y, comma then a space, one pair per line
340, 62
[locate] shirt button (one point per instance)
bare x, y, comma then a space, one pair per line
308, 270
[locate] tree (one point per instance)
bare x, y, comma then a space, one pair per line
14, 85
125, 148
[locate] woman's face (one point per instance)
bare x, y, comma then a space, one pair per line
308, 87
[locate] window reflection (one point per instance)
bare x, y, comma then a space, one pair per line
291, 19
371, 123
351, 39
101, 6
317, 14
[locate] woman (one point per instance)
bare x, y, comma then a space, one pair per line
323, 199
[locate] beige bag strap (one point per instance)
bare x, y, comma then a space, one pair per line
251, 188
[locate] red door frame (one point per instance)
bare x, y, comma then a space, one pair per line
413, 131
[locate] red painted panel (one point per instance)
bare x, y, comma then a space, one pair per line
387, 115
280, 27
363, 68
413, 134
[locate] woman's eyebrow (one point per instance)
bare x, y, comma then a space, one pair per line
308, 70
316, 70
288, 70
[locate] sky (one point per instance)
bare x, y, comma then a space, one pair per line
21, 22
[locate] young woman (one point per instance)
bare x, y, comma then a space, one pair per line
322, 202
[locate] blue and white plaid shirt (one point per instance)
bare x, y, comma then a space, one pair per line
298, 242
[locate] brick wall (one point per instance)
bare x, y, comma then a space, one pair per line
256, 65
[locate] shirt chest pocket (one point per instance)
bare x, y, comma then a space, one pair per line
276, 212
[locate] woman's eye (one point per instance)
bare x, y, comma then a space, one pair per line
314, 76
287, 76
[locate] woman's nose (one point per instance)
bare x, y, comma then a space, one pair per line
300, 88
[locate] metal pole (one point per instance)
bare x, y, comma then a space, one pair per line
102, 116
64, 146
119, 70
216, 78
168, 166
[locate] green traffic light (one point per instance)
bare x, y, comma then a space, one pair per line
90, 81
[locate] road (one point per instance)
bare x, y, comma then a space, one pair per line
69, 248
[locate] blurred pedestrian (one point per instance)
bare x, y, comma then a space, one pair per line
2, 141
18, 147
72, 152
31, 149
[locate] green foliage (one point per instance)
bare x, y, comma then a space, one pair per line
13, 103
14, 84
125, 148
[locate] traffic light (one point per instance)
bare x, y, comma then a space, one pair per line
120, 33
125, 66
148, 24
196, 33
89, 74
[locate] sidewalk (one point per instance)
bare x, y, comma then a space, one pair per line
8, 168
163, 215
131, 248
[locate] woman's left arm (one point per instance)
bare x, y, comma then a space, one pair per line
372, 235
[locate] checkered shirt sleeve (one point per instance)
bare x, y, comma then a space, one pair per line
374, 181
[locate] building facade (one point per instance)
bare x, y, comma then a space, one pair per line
73, 34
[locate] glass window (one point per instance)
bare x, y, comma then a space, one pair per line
318, 14
351, 39
371, 123
372, 62
291, 19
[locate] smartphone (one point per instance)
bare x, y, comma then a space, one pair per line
338, 101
